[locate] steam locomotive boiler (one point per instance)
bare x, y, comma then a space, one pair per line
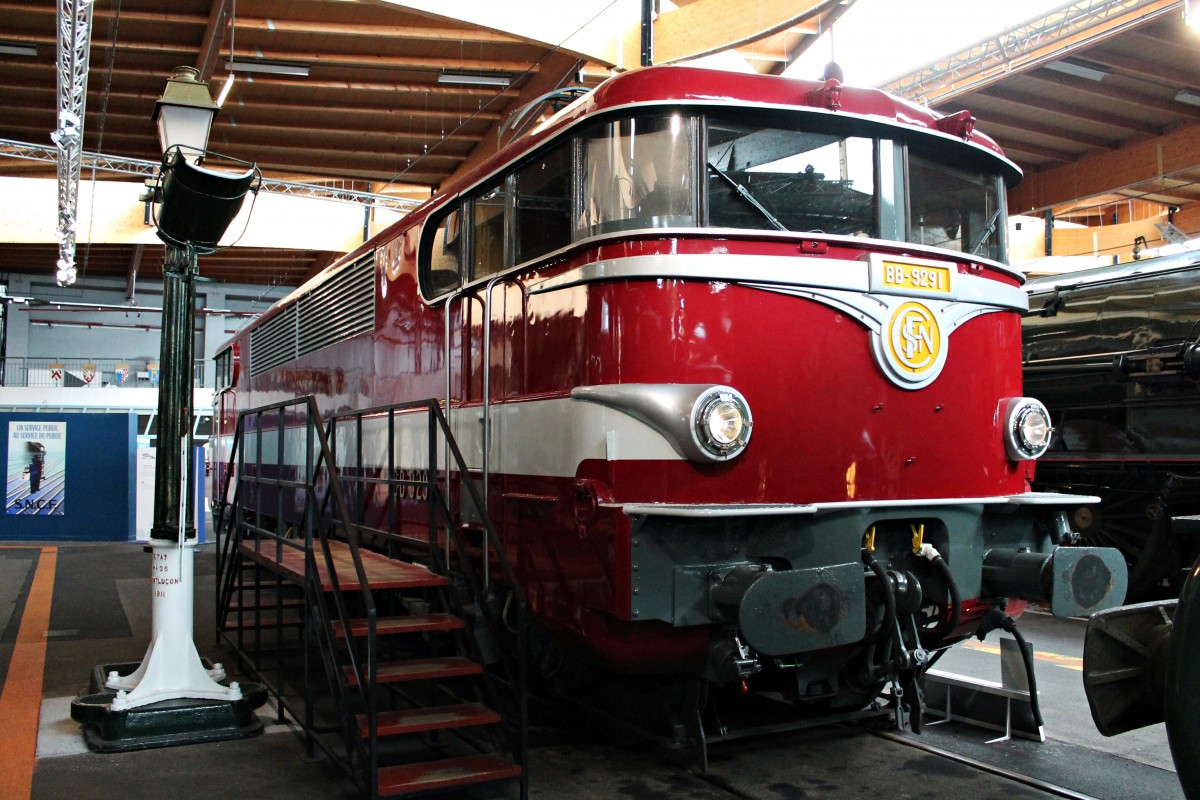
736, 358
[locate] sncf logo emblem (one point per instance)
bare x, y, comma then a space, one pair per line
914, 338
912, 347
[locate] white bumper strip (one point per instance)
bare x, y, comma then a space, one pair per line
753, 510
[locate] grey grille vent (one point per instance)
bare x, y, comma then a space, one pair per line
274, 343
341, 307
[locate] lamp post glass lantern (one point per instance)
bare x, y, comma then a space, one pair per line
184, 114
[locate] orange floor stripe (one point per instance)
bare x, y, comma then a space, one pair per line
21, 699
1069, 662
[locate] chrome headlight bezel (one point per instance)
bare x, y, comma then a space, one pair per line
681, 413
721, 407
1021, 416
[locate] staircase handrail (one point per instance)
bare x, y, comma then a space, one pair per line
438, 422
366, 679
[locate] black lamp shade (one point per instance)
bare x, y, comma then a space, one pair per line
197, 203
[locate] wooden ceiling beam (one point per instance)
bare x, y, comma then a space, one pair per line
1142, 70
404, 32
1134, 164
349, 140
612, 36
214, 37
1058, 33
324, 27
1037, 104
1129, 98
1166, 196
828, 19
28, 103
49, 73
1011, 146
554, 72
1015, 126
321, 163
103, 11
316, 58
319, 262
713, 26
431, 89
596, 36
252, 139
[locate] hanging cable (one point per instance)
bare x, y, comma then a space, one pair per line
995, 618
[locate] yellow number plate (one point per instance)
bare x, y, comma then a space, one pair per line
915, 277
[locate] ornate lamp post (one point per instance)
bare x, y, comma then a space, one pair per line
194, 207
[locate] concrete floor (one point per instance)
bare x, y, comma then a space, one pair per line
101, 615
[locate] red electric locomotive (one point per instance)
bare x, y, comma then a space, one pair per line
737, 359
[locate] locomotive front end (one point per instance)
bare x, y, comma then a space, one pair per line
806, 349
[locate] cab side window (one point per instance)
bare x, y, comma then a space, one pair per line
441, 253
487, 227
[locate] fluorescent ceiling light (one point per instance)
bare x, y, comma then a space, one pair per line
225, 90
1188, 96
270, 67
18, 49
1078, 70
473, 80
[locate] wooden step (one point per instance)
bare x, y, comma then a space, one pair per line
265, 603
420, 669
268, 621
410, 623
381, 572
443, 774
436, 718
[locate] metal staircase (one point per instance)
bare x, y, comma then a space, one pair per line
377, 635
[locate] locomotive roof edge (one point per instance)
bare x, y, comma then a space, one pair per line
1115, 273
673, 85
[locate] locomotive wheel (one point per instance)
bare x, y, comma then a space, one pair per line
1132, 521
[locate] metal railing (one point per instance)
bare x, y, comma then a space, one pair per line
293, 484
88, 373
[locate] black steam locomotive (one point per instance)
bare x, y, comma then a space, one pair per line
1114, 353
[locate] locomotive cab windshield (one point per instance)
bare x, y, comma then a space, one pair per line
674, 168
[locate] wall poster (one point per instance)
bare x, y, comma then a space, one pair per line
37, 468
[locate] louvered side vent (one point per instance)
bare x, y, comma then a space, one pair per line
342, 307
273, 343
339, 308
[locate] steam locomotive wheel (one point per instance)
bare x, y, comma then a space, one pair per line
1132, 521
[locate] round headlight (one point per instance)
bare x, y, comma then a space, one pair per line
722, 422
1027, 429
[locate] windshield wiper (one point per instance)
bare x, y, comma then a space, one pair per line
987, 231
744, 193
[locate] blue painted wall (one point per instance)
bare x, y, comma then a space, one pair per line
99, 495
